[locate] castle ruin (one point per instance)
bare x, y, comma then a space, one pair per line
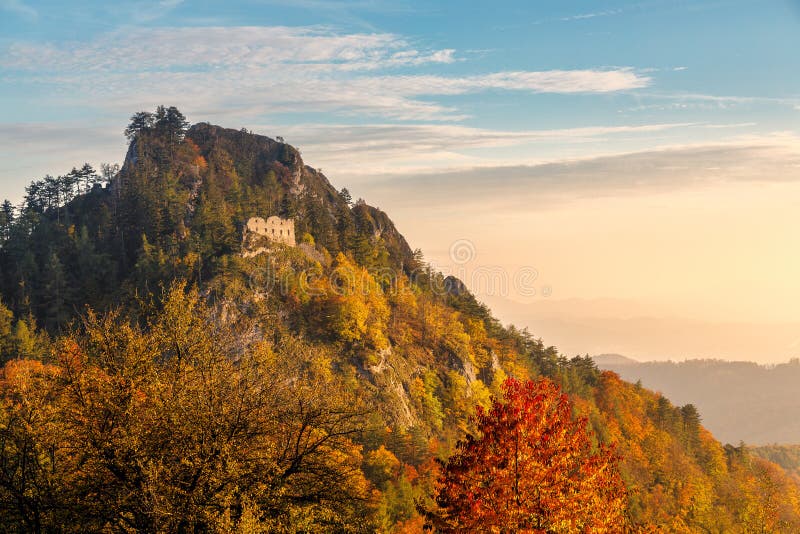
274, 228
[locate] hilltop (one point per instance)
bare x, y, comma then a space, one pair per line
606, 360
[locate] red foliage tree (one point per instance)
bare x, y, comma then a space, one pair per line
533, 469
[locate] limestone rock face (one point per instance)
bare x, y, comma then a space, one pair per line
455, 287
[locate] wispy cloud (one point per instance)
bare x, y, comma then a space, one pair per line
730, 126
587, 15
19, 8
386, 148
28, 150
766, 159
552, 81
257, 70
592, 15
145, 50
681, 101
647, 6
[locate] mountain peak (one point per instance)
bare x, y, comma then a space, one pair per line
604, 360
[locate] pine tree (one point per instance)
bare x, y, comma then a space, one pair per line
55, 293
7, 213
345, 194
140, 121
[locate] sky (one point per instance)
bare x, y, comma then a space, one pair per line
588, 168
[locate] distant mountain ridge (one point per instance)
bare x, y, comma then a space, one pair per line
604, 360
738, 401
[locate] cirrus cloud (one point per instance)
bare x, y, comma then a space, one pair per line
19, 8
258, 70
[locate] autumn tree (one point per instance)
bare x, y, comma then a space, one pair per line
187, 424
352, 305
531, 469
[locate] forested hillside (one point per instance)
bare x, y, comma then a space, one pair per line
156, 379
786, 456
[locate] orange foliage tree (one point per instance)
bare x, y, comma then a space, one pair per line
533, 469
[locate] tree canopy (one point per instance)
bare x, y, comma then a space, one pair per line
178, 426
532, 468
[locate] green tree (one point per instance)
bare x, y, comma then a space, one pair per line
140, 121
56, 293
170, 123
25, 340
6, 333
345, 194
7, 213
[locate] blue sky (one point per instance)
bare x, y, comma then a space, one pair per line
680, 71
485, 121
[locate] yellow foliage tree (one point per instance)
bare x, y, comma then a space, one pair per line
187, 424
